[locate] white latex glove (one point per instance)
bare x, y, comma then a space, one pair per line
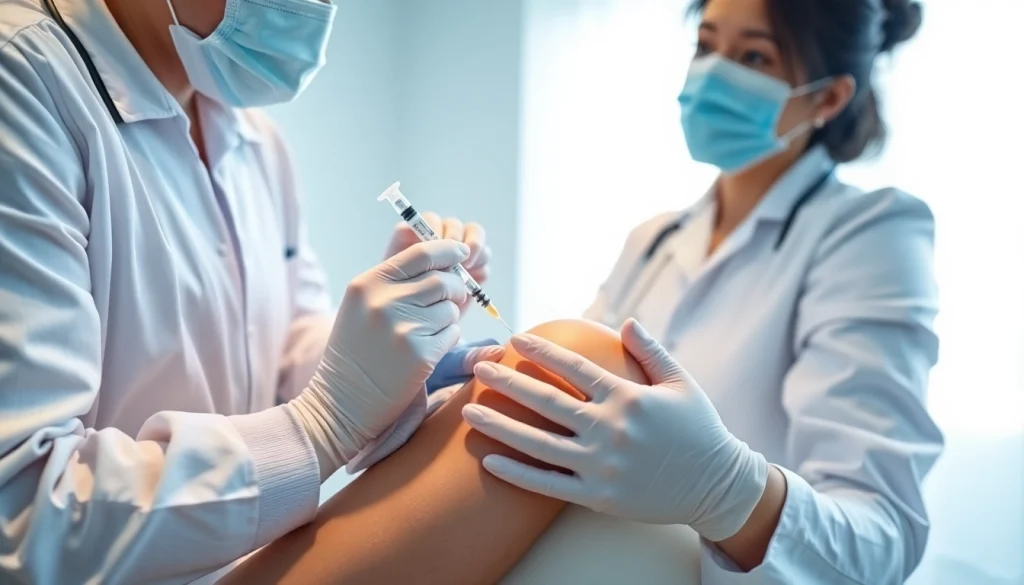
450, 228
462, 360
395, 324
656, 454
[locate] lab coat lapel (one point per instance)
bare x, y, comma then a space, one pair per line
733, 244
678, 264
700, 287
773, 209
660, 300
672, 296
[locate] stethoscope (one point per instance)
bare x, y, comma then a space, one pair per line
94, 73
642, 288
108, 101
805, 197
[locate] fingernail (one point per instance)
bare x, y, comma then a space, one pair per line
472, 414
640, 331
524, 339
464, 249
493, 464
485, 369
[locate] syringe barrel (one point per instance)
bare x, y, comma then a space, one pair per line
474, 287
471, 283
425, 233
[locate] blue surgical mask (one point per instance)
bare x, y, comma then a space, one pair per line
730, 113
264, 51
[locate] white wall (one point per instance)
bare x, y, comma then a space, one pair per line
602, 144
425, 92
458, 137
343, 134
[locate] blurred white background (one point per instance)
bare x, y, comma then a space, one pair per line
554, 123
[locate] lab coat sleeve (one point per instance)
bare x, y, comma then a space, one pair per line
860, 439
192, 491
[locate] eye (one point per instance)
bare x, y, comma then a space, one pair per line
755, 59
702, 49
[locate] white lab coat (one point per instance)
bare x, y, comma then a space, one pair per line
817, 355
144, 312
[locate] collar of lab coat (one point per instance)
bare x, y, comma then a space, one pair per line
780, 199
138, 95
783, 195
775, 206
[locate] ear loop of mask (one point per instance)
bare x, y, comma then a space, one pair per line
817, 123
174, 15
800, 128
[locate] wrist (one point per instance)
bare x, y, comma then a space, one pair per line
732, 488
334, 442
747, 548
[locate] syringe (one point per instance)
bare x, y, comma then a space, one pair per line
425, 233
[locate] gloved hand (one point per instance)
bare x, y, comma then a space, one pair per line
454, 368
450, 228
395, 324
656, 454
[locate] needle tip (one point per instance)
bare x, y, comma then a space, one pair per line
506, 325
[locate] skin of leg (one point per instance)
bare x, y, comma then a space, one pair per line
429, 513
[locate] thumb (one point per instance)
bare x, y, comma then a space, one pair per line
424, 257
658, 364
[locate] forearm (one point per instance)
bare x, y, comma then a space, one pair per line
832, 534
748, 547
430, 513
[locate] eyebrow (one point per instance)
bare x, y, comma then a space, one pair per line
750, 33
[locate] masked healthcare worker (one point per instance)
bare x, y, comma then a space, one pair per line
802, 306
174, 385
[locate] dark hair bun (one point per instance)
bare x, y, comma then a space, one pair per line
902, 19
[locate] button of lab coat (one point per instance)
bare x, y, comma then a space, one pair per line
222, 249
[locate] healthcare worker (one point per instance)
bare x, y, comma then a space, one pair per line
158, 298
802, 306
